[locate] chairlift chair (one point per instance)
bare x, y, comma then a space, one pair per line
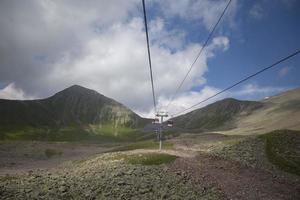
155, 121
170, 123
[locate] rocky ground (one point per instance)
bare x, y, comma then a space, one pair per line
236, 165
208, 166
22, 156
105, 177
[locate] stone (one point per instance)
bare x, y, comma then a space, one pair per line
62, 189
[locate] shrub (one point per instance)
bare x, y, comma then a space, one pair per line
52, 152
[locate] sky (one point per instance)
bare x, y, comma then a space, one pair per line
49, 45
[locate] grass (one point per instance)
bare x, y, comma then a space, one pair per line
93, 133
231, 142
149, 144
52, 152
110, 130
283, 149
148, 159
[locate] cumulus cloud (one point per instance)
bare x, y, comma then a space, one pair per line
121, 70
191, 98
173, 39
205, 12
47, 46
35, 34
257, 91
13, 93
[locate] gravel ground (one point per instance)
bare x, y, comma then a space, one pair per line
210, 166
22, 156
235, 181
103, 177
249, 152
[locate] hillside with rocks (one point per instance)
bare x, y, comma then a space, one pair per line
76, 110
232, 116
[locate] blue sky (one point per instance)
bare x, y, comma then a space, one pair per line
259, 42
255, 42
47, 46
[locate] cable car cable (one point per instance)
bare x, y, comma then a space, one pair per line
149, 56
198, 55
241, 81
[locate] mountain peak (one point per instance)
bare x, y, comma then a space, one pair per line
76, 86
77, 90
75, 105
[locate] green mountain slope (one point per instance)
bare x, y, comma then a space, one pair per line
73, 111
281, 111
231, 116
219, 115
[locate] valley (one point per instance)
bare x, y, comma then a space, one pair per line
231, 149
208, 166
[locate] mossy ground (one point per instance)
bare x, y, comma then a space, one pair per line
148, 158
148, 144
278, 149
283, 149
95, 133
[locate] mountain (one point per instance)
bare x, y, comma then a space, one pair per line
219, 115
75, 109
231, 116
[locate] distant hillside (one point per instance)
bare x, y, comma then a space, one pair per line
231, 116
75, 109
219, 115
281, 111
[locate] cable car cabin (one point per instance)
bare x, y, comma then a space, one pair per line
170, 123
155, 121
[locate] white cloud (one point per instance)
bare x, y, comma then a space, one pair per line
185, 100
254, 90
121, 69
248, 91
50, 45
188, 99
205, 12
13, 93
173, 39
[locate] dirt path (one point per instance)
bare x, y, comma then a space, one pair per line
236, 181
232, 179
20, 157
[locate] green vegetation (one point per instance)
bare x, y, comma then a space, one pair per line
149, 144
170, 134
283, 149
93, 133
45, 134
74, 114
121, 133
148, 158
110, 129
52, 152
